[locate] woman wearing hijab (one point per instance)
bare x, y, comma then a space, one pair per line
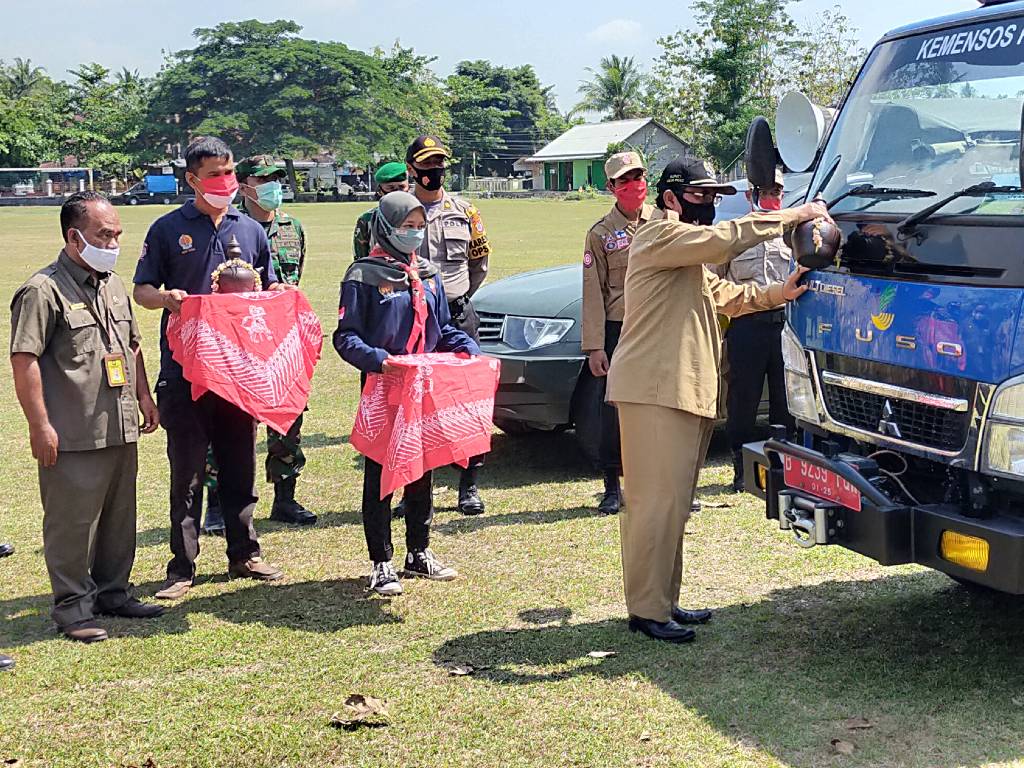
393, 303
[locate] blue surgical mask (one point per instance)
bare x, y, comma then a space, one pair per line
269, 195
407, 240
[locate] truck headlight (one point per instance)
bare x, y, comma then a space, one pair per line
1003, 452
799, 387
793, 355
524, 333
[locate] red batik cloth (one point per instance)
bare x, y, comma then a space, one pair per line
433, 410
255, 350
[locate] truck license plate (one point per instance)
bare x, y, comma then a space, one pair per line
819, 482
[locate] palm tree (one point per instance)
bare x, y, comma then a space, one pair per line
22, 78
614, 89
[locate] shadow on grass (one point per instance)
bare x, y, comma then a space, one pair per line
309, 606
460, 525
934, 669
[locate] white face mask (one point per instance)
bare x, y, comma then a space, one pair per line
100, 259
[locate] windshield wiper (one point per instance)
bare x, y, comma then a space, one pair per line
909, 224
882, 193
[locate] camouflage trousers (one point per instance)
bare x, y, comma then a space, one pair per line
285, 458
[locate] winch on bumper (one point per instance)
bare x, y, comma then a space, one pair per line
850, 511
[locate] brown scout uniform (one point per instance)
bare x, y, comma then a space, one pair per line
456, 243
664, 379
70, 320
604, 274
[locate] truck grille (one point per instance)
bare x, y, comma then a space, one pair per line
926, 425
490, 326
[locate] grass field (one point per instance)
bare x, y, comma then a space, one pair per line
242, 674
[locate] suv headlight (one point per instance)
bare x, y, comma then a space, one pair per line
799, 387
524, 333
1003, 452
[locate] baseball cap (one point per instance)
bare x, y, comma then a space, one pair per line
692, 172
622, 162
393, 171
257, 165
424, 147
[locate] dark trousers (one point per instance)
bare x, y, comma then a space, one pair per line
419, 512
191, 426
754, 348
465, 318
609, 451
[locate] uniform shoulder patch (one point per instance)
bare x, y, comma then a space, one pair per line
588, 259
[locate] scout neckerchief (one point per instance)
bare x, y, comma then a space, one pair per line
417, 337
115, 364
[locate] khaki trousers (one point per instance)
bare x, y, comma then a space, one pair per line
663, 450
89, 529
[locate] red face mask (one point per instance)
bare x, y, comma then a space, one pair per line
770, 203
219, 191
632, 194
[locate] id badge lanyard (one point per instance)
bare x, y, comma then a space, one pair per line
115, 364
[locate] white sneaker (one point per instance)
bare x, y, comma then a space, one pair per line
384, 580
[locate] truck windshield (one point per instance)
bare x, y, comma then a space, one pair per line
935, 112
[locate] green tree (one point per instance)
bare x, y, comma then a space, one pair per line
826, 60
615, 89
107, 116
500, 113
33, 115
265, 89
21, 78
724, 73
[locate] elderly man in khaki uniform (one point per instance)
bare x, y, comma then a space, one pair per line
665, 376
457, 244
753, 343
81, 381
605, 256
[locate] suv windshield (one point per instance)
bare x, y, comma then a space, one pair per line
937, 112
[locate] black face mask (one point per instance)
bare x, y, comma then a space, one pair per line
697, 214
431, 179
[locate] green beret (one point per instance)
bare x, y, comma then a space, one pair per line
390, 172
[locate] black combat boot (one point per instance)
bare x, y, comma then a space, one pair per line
470, 502
611, 502
737, 471
213, 522
286, 509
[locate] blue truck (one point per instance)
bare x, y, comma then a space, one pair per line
905, 358
155, 188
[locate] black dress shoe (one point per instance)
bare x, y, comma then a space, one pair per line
6, 662
683, 616
135, 609
669, 631
470, 502
6, 550
610, 504
286, 509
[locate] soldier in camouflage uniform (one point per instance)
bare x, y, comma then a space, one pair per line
261, 189
390, 177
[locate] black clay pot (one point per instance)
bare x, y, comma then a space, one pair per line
815, 243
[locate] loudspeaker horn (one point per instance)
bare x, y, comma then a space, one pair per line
800, 126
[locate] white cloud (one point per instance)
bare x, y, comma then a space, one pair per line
617, 31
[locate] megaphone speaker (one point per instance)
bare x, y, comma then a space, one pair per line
800, 126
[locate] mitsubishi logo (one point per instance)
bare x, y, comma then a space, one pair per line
886, 425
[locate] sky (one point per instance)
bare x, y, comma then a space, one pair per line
561, 38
